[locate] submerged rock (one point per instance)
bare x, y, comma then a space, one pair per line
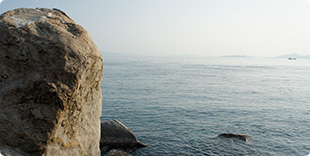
50, 77
116, 152
235, 136
115, 134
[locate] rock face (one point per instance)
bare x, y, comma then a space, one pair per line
114, 134
235, 136
50, 77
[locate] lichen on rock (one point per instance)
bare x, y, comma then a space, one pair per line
50, 77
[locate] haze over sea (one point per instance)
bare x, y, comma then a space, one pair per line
178, 106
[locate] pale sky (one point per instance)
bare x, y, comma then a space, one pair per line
189, 27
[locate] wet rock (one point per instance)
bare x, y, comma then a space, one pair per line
116, 152
50, 77
235, 136
115, 134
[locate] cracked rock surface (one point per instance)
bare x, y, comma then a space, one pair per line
50, 78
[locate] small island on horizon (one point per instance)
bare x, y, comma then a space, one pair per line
294, 55
287, 56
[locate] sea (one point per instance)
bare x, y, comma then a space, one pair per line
179, 105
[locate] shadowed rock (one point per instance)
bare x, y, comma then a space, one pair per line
50, 77
235, 136
116, 152
115, 134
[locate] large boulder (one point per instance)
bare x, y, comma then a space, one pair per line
116, 135
50, 77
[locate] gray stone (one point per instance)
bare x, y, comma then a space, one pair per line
50, 77
117, 152
115, 134
235, 136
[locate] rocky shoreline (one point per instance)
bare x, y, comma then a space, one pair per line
50, 89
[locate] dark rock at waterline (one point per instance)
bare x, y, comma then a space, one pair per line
50, 78
116, 135
235, 136
117, 152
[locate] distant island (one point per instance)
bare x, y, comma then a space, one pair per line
294, 55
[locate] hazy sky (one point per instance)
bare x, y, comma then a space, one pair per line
189, 27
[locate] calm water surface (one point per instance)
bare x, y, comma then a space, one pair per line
179, 105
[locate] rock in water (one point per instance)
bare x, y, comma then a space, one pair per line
115, 134
116, 152
50, 77
245, 138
